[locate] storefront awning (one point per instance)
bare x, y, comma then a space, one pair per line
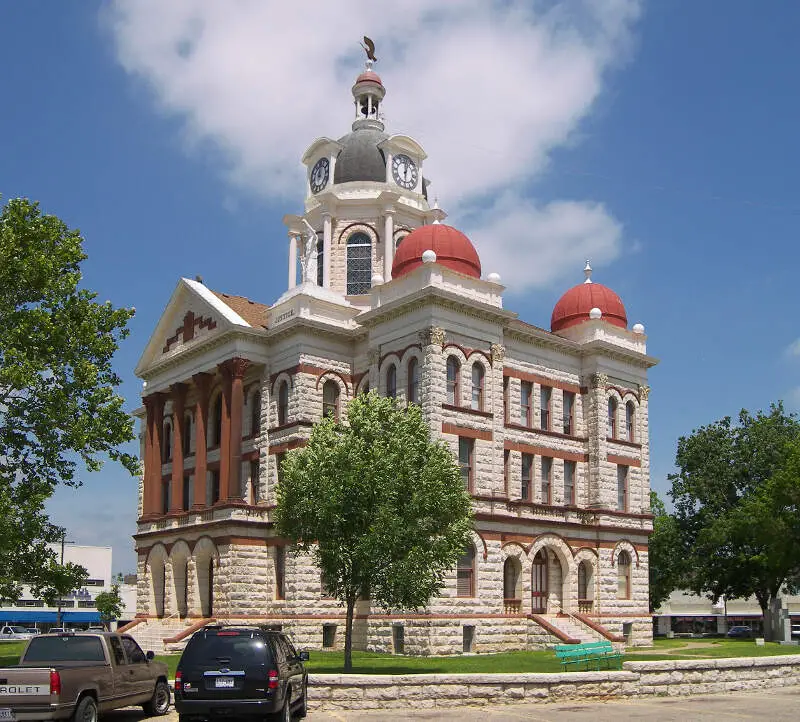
42, 616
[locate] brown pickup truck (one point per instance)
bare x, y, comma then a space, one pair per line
78, 675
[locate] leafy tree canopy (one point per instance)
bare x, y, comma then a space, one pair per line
381, 507
109, 604
58, 408
665, 555
736, 506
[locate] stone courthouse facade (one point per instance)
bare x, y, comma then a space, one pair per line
550, 427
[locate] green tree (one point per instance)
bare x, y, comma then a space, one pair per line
665, 554
380, 506
731, 507
109, 604
59, 412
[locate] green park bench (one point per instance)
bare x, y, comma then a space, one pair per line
588, 654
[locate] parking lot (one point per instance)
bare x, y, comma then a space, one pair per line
776, 704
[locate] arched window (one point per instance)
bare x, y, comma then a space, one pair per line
478, 377
216, 419
630, 420
612, 418
413, 380
465, 573
453, 381
399, 240
624, 575
511, 576
359, 264
187, 434
330, 399
166, 446
583, 581
283, 403
391, 381
255, 413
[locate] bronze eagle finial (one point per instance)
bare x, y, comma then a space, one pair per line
369, 48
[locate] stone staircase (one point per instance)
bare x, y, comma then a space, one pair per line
152, 633
573, 628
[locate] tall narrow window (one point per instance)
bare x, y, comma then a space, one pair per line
187, 435
165, 497
330, 399
255, 468
280, 572
506, 470
547, 472
569, 413
413, 380
465, 573
216, 415
186, 492
478, 377
583, 582
466, 451
545, 396
283, 403
624, 575
167, 443
612, 418
359, 264
255, 413
527, 477
525, 403
320, 261
569, 483
622, 488
630, 418
391, 381
215, 486
511, 574
453, 381
505, 398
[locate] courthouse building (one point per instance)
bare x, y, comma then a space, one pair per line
549, 426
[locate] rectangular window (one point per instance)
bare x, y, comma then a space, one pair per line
215, 486
622, 488
547, 469
329, 635
544, 397
255, 469
506, 470
468, 638
320, 260
165, 497
569, 483
569, 413
466, 449
187, 490
505, 398
527, 473
525, 399
398, 638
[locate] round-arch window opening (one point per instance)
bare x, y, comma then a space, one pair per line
359, 264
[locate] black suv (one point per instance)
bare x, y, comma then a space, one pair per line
240, 672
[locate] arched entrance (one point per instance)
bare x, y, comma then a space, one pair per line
206, 561
210, 599
179, 556
539, 582
157, 573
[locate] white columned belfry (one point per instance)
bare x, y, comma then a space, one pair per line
388, 244
327, 233
292, 260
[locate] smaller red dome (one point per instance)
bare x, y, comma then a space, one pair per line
574, 306
368, 76
452, 248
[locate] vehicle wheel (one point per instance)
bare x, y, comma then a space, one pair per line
303, 709
285, 715
159, 702
86, 711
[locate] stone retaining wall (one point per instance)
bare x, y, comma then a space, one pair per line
678, 678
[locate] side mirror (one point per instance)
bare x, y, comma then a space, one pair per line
150, 655
304, 656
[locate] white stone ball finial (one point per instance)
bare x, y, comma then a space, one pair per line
429, 256
595, 313
493, 277
587, 271
377, 279
638, 328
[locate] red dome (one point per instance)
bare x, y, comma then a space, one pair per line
369, 76
453, 249
574, 306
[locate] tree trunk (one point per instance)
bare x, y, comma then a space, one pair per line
766, 615
348, 635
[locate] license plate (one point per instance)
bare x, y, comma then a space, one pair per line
223, 682
7, 713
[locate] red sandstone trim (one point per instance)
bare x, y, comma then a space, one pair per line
465, 431
599, 628
623, 442
544, 451
555, 631
399, 354
468, 352
130, 625
288, 446
468, 410
189, 630
289, 425
624, 460
544, 432
541, 380
518, 521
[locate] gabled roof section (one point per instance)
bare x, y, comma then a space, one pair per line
256, 314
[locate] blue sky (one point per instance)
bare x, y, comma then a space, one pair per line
667, 150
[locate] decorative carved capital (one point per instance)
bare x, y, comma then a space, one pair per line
236, 367
644, 392
373, 355
432, 336
498, 352
598, 381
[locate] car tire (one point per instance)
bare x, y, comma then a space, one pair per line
285, 714
303, 709
159, 702
86, 711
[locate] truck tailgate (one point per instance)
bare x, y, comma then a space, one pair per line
23, 687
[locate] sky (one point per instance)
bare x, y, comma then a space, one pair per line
657, 139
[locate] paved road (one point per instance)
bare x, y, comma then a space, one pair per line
770, 706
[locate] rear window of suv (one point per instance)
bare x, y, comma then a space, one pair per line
209, 647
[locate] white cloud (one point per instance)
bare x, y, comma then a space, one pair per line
488, 88
793, 349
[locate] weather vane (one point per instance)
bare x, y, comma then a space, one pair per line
369, 49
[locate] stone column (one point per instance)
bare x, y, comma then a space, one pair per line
433, 384
225, 434
597, 433
493, 394
176, 491
170, 598
292, 260
388, 245
642, 430
193, 608
147, 484
327, 235
202, 383
237, 368
155, 430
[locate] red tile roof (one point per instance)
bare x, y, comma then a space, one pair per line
256, 314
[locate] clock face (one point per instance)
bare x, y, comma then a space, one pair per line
404, 171
319, 175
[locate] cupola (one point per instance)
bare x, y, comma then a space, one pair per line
588, 301
452, 248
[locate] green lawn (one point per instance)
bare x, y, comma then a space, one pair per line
10, 653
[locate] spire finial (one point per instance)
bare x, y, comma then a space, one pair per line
587, 271
436, 208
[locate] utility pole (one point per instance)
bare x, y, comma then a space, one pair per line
60, 595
